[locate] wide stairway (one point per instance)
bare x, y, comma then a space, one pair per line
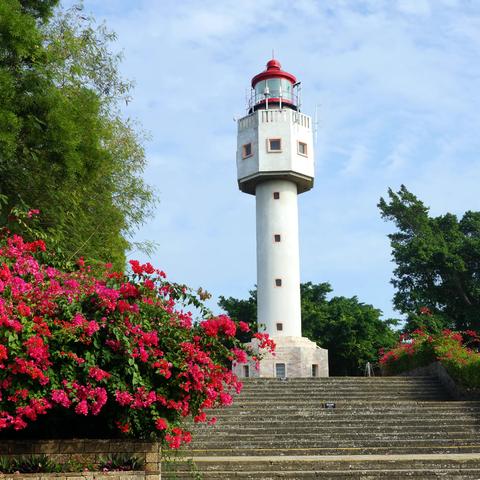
380, 427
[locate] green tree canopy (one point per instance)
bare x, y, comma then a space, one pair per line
353, 332
65, 148
437, 263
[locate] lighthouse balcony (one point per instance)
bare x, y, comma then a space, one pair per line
276, 115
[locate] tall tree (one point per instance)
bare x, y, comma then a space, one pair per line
65, 148
437, 262
352, 331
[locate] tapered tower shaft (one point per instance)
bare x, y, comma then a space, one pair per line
278, 269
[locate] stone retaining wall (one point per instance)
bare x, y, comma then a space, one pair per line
436, 369
88, 451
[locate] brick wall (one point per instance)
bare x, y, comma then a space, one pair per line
88, 451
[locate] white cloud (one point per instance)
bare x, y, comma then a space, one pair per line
415, 7
400, 154
357, 160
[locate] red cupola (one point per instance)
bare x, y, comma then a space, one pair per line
274, 88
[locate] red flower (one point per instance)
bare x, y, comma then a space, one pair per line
24, 309
161, 424
98, 374
3, 352
123, 427
136, 267
243, 327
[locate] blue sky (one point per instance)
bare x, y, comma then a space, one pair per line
397, 89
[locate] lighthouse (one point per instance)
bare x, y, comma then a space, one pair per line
275, 162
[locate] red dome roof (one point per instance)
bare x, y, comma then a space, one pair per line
274, 70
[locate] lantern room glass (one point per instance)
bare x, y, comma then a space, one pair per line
277, 88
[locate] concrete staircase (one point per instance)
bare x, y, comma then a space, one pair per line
381, 427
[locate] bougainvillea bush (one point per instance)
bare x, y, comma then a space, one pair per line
119, 348
457, 351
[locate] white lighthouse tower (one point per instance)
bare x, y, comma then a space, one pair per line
275, 162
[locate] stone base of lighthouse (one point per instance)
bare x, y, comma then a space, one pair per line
295, 357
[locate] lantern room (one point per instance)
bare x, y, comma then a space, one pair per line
274, 88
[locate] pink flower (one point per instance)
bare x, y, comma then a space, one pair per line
61, 397
243, 327
92, 327
18, 423
98, 374
225, 398
82, 408
123, 398
222, 323
240, 355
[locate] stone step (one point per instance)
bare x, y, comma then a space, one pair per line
347, 382
345, 387
339, 396
340, 379
353, 406
337, 441
320, 428
343, 392
378, 401
342, 414
447, 448
261, 387
335, 435
341, 388
297, 413
409, 393
423, 474
373, 466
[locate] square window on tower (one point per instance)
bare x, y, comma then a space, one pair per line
279, 327
276, 195
278, 282
302, 149
247, 150
277, 237
274, 144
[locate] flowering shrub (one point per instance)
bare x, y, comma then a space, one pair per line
457, 351
108, 344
